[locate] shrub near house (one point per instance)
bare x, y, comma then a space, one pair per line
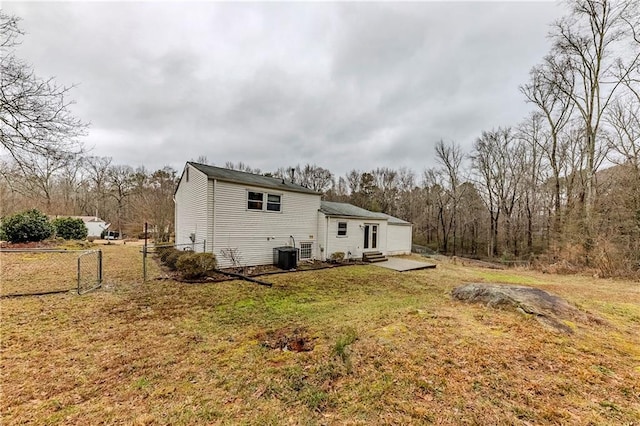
27, 226
70, 228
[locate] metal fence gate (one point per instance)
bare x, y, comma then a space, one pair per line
89, 271
25, 272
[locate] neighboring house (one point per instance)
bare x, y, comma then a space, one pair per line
94, 224
241, 217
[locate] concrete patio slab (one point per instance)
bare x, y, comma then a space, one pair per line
403, 265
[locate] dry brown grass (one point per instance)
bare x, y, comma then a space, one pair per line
37, 272
388, 348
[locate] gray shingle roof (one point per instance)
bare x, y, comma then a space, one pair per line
392, 220
236, 176
331, 208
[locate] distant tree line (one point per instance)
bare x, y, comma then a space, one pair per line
93, 186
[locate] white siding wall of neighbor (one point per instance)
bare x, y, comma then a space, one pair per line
192, 207
354, 240
398, 239
94, 229
254, 234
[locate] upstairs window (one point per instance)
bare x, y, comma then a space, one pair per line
255, 200
273, 203
342, 229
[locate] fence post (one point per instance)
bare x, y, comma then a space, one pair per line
144, 254
99, 267
144, 263
79, 257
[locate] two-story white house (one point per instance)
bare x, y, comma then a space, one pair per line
241, 217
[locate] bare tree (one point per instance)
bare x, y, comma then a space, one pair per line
35, 119
154, 200
556, 105
240, 166
624, 142
593, 43
440, 198
120, 181
450, 159
315, 177
532, 136
495, 162
98, 169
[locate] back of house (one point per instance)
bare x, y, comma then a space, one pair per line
241, 217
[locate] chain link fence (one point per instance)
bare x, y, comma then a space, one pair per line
89, 271
26, 272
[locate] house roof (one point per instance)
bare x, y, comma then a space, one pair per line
331, 208
392, 220
236, 176
85, 219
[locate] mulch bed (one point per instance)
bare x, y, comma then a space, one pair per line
254, 271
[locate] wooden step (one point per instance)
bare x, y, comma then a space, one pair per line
373, 256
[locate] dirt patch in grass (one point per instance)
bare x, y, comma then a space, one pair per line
387, 348
290, 339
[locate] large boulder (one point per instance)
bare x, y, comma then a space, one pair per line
547, 308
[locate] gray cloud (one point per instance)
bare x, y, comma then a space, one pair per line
346, 85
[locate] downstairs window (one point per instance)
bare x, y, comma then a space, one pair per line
305, 250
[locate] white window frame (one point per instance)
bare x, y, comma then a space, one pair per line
279, 203
346, 228
264, 201
249, 201
303, 250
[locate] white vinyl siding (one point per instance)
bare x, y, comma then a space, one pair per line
353, 242
398, 239
322, 236
193, 207
253, 234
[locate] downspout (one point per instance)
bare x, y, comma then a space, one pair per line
175, 220
326, 238
213, 218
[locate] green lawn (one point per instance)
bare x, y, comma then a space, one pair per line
388, 347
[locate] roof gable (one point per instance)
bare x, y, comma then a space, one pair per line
244, 178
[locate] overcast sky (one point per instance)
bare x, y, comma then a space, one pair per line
341, 85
